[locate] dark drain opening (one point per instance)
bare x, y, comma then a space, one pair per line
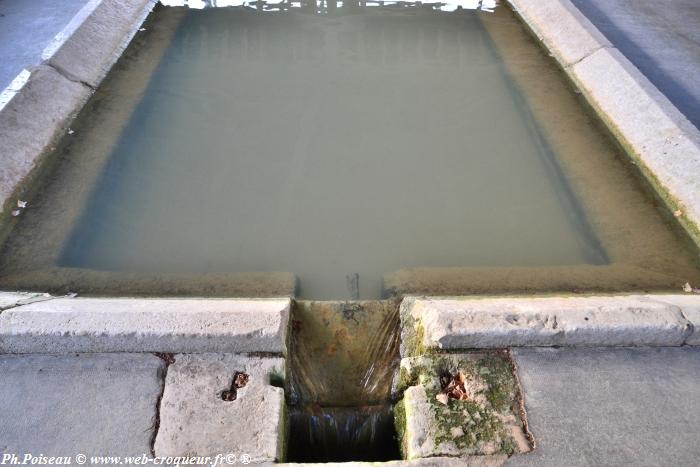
342, 359
341, 434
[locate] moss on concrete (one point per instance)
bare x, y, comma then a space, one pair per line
483, 424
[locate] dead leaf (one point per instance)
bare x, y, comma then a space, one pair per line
442, 398
678, 213
686, 287
240, 379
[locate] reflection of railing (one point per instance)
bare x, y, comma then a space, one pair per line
324, 6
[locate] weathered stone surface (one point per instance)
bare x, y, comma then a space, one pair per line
94, 404
146, 325
35, 117
101, 34
658, 136
566, 32
195, 420
689, 306
692, 314
486, 423
12, 299
504, 322
610, 407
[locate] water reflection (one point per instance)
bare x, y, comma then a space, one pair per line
325, 6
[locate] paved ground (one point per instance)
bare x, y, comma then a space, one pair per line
92, 404
611, 406
662, 39
26, 28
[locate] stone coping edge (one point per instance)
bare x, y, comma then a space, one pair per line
476, 323
658, 138
38, 106
41, 323
44, 324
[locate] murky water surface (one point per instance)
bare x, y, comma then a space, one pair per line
366, 151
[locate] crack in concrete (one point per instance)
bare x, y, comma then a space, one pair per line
601, 47
169, 359
27, 301
70, 77
690, 327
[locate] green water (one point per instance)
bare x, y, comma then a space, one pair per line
328, 146
322, 145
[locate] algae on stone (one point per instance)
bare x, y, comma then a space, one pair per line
487, 423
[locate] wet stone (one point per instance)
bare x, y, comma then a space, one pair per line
433, 421
195, 419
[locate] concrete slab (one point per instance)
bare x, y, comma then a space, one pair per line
26, 28
609, 407
195, 420
146, 325
102, 31
568, 35
629, 320
660, 37
78, 404
31, 122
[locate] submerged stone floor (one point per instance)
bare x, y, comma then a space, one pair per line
596, 406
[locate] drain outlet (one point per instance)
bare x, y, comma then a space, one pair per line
343, 356
341, 434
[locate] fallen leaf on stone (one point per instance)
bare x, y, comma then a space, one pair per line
240, 379
442, 398
453, 386
686, 287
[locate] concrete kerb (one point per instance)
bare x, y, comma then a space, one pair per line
659, 139
95, 39
42, 101
471, 323
64, 324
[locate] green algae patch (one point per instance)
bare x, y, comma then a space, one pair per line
412, 331
487, 421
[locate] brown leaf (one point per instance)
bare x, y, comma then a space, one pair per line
240, 379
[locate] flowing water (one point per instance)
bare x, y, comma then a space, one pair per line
338, 153
342, 359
